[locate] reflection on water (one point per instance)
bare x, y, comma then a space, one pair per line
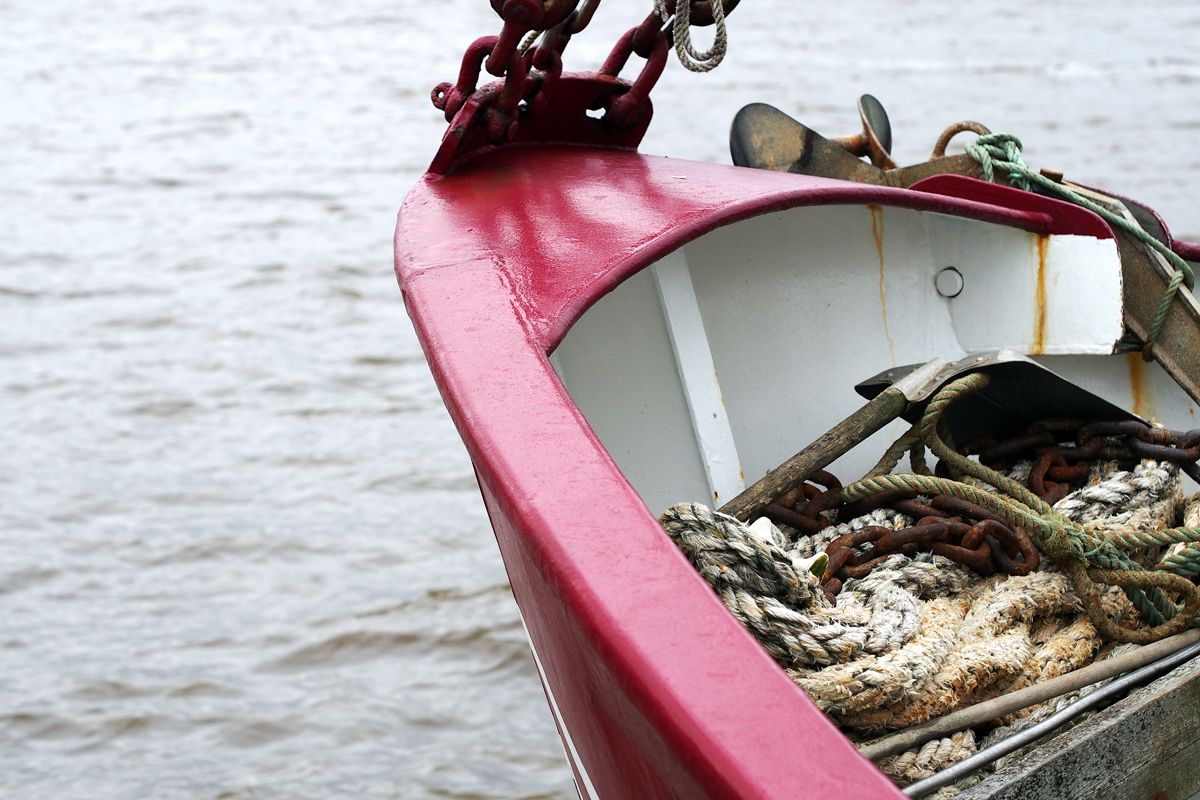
241, 550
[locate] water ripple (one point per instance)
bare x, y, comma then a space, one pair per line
242, 552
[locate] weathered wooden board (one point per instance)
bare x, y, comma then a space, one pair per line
1145, 746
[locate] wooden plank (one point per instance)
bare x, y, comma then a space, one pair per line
847, 434
1146, 746
982, 713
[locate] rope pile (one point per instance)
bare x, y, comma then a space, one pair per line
921, 635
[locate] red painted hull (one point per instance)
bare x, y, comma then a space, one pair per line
661, 692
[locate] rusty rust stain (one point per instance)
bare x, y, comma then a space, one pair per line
1039, 301
1138, 387
877, 232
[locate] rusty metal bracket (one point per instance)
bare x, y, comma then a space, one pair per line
875, 141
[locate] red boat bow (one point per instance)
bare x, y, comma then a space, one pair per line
658, 690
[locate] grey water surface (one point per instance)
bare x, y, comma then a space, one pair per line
242, 554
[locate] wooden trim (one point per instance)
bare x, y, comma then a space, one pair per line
1145, 746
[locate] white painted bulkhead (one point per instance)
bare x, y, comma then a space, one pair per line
792, 309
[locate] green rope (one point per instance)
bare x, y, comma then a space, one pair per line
1155, 609
1185, 562
960, 464
1089, 558
910, 443
1132, 539
1003, 151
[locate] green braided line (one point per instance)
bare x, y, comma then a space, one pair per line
1186, 562
910, 440
1164, 608
1152, 608
1089, 557
933, 485
1052, 532
1060, 538
1160, 318
1004, 150
1156, 609
916, 457
1128, 540
960, 464
1129, 580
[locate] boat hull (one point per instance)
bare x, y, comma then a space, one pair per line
657, 690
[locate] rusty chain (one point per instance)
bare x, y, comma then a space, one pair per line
956, 529
1061, 451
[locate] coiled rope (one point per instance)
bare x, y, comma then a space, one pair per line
1089, 557
921, 635
1003, 151
783, 606
691, 59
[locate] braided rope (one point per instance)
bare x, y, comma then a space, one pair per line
921, 635
911, 443
929, 759
1184, 562
781, 605
1089, 557
1185, 558
1003, 151
966, 645
688, 56
528, 41
1155, 608
1148, 496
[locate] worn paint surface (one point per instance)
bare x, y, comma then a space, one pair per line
1039, 310
877, 232
1139, 388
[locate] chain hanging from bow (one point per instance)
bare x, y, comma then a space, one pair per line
527, 56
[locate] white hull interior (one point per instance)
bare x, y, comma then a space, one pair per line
706, 370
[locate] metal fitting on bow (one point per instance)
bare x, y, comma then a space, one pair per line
501, 119
521, 17
451, 98
623, 112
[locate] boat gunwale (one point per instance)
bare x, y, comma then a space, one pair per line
487, 315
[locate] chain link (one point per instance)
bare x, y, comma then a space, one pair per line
530, 67
1061, 451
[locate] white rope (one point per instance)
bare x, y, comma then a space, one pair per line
782, 607
1147, 498
688, 56
929, 759
528, 41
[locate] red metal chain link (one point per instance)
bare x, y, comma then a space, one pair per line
452, 97
531, 76
624, 111
520, 17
